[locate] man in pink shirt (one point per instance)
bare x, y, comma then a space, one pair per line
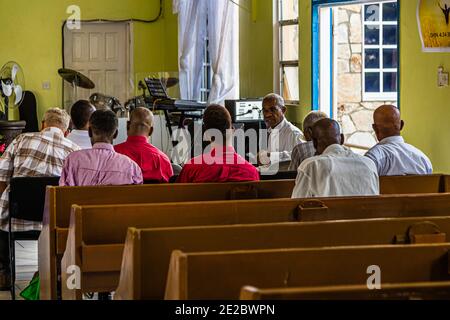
221, 163
155, 165
101, 165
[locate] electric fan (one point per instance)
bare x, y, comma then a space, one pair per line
12, 84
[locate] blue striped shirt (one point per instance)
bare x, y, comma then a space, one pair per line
394, 157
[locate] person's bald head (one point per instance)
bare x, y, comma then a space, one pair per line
141, 123
387, 122
326, 132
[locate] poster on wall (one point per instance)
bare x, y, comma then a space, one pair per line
434, 25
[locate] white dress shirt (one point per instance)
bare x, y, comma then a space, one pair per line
81, 139
394, 157
338, 172
282, 140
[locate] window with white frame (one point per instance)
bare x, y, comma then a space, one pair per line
380, 47
287, 69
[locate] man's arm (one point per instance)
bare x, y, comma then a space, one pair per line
302, 186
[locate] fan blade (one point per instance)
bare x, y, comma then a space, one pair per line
7, 89
19, 94
14, 71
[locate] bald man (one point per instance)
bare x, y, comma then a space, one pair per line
155, 165
392, 156
336, 171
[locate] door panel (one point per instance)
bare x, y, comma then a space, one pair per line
101, 51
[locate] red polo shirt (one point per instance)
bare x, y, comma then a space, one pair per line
218, 166
155, 164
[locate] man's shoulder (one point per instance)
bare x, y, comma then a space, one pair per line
293, 128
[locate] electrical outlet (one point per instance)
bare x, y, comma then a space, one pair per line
443, 78
46, 85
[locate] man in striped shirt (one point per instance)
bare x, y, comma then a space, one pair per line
31, 154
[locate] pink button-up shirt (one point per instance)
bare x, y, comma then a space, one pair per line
100, 166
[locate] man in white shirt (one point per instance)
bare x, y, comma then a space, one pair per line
283, 135
337, 171
81, 113
392, 156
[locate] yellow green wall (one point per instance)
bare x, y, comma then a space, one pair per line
32, 32
425, 107
256, 53
256, 48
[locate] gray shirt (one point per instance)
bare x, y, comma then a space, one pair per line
394, 157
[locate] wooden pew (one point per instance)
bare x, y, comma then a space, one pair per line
238, 212
97, 235
412, 184
147, 251
221, 275
403, 291
52, 241
53, 238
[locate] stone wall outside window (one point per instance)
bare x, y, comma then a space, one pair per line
354, 114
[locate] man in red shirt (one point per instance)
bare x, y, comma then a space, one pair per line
221, 163
155, 165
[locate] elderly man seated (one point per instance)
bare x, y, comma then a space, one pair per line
392, 156
31, 155
337, 171
306, 150
283, 135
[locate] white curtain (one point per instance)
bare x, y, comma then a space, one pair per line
191, 35
223, 34
223, 31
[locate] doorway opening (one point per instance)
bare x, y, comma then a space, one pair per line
355, 63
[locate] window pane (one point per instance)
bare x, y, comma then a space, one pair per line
288, 9
390, 12
372, 12
289, 38
372, 35
390, 58
372, 58
390, 82
390, 35
290, 88
372, 81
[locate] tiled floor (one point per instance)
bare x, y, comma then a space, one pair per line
26, 266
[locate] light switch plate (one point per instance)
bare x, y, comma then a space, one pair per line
46, 85
443, 79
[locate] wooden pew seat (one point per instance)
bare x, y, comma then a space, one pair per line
147, 251
59, 200
221, 275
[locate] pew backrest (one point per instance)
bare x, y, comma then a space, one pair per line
221, 275
147, 251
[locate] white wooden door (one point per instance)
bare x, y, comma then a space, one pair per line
102, 52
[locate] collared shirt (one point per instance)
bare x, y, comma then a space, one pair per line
39, 154
154, 163
219, 165
300, 153
282, 140
100, 166
80, 138
394, 157
338, 172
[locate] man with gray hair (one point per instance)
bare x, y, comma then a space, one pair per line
306, 150
283, 135
31, 155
